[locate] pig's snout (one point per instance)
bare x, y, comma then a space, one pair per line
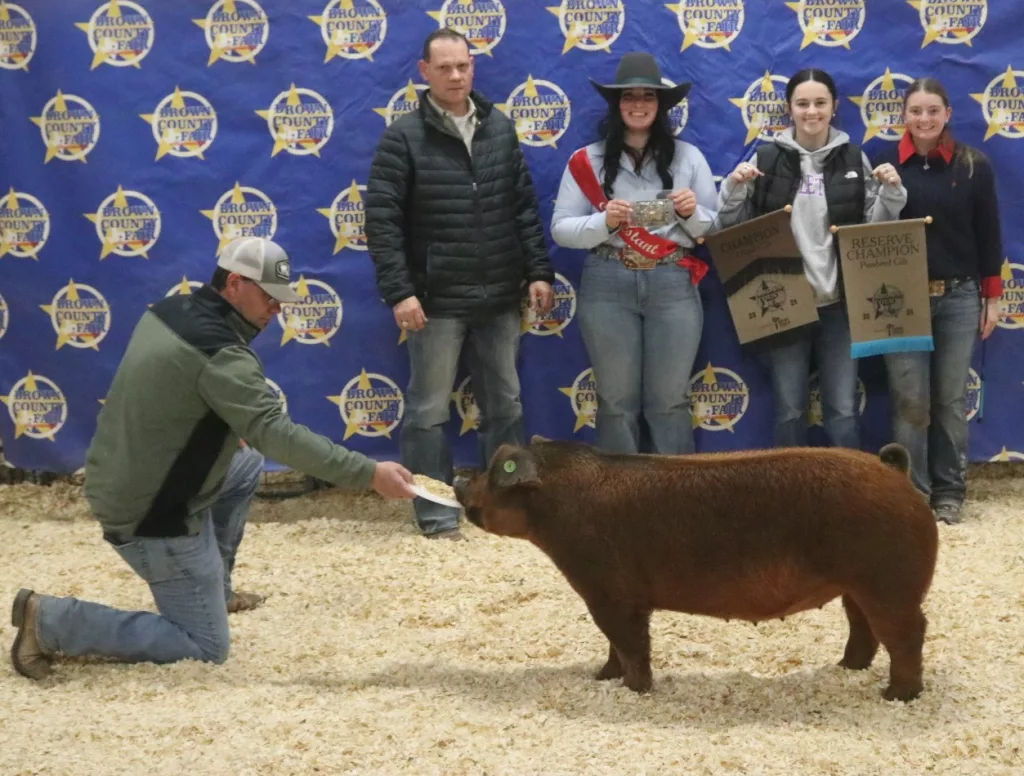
461, 484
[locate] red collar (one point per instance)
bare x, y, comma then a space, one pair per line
943, 149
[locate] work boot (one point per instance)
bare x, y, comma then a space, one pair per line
27, 655
243, 602
947, 512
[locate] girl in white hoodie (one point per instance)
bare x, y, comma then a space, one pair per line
828, 180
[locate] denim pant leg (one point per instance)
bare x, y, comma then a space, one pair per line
790, 366
837, 377
231, 509
612, 330
909, 378
955, 323
491, 357
186, 577
433, 362
672, 320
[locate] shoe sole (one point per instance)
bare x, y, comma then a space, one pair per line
20, 604
18, 621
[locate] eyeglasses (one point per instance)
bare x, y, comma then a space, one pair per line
266, 297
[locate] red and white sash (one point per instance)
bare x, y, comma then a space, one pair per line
636, 237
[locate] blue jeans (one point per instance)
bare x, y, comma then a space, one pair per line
493, 346
790, 367
641, 329
189, 576
928, 396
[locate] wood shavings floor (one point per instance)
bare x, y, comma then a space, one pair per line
381, 652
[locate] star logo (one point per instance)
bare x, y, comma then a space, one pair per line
18, 45
834, 24
1002, 104
719, 399
371, 405
583, 396
24, 225
352, 29
347, 216
80, 316
881, 106
540, 111
184, 125
235, 30
37, 407
70, 127
709, 24
127, 228
120, 33
594, 27
185, 287
954, 23
300, 122
466, 406
769, 91
242, 212
314, 319
481, 21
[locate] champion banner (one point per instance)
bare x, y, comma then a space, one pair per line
138, 137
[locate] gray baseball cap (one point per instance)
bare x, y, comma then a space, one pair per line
262, 261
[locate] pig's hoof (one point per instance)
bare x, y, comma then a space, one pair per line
856, 662
639, 684
610, 671
909, 693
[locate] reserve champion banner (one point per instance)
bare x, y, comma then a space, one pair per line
139, 137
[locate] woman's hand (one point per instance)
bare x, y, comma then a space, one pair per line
617, 212
886, 174
744, 172
989, 317
685, 201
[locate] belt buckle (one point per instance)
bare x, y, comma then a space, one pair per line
633, 259
936, 287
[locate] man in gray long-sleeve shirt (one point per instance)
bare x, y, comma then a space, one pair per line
170, 480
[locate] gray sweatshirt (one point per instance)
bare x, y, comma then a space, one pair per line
809, 220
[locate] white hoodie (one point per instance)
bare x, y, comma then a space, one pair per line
809, 219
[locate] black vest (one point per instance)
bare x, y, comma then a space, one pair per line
844, 193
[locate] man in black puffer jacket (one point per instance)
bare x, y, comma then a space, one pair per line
456, 239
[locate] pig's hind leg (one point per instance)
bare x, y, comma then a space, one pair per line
901, 630
862, 644
613, 668
628, 630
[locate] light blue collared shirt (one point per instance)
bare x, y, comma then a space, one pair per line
578, 224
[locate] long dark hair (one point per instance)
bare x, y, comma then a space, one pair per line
661, 146
963, 154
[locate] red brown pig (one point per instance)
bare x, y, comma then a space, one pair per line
749, 536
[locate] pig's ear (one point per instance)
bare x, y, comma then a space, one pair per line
518, 467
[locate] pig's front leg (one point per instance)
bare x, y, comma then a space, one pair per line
628, 630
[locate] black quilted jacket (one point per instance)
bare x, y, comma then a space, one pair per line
461, 233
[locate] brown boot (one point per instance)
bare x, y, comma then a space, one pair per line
27, 656
243, 602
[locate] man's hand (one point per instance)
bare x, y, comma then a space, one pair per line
409, 314
392, 480
542, 297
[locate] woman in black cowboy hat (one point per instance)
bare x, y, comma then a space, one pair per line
637, 200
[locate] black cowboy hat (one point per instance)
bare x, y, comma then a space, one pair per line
639, 69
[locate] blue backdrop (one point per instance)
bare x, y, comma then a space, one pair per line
138, 137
